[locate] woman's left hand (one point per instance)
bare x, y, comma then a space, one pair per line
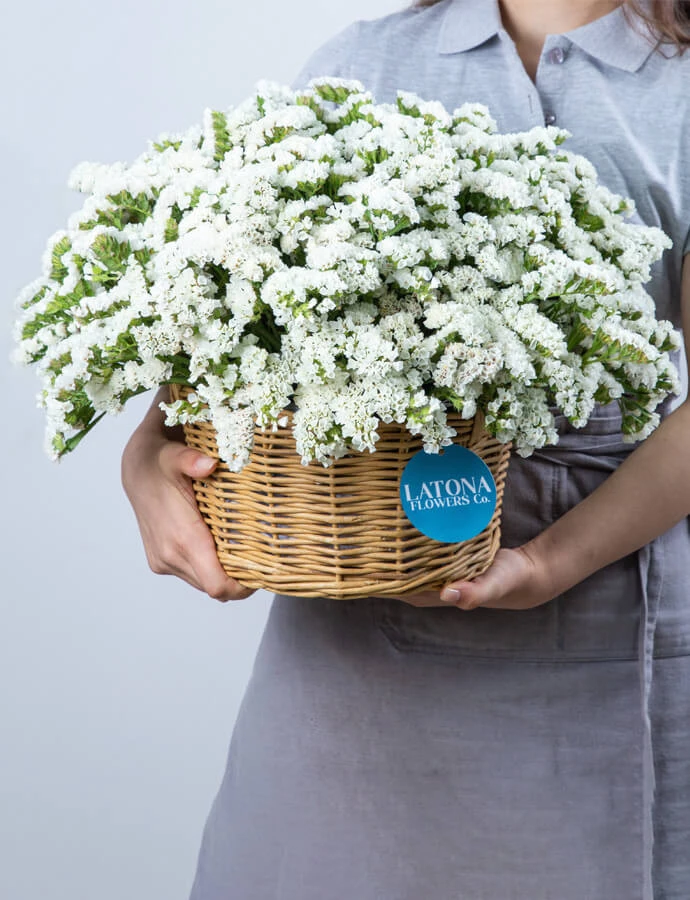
515, 580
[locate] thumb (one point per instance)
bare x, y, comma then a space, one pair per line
485, 589
470, 594
193, 463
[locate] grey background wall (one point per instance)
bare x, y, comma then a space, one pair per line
118, 688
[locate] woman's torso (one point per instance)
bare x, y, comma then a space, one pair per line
626, 107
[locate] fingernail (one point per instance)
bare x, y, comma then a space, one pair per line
203, 466
450, 595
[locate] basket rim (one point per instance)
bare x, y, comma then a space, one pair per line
477, 421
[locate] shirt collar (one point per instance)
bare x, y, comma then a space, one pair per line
614, 41
467, 24
610, 39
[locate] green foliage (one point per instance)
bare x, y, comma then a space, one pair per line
65, 445
667, 344
373, 158
171, 230
221, 135
194, 198
219, 275
310, 102
603, 348
126, 209
304, 190
473, 201
633, 406
401, 223
277, 134
35, 298
143, 256
331, 93
58, 309
58, 270
602, 395
450, 397
587, 220
415, 112
113, 256
264, 327
354, 114
160, 146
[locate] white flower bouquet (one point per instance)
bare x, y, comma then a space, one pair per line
355, 263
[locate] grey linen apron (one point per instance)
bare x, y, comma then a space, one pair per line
386, 752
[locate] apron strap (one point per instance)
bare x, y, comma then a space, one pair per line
650, 562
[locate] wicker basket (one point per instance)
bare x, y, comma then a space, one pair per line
340, 531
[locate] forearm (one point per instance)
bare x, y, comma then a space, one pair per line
643, 498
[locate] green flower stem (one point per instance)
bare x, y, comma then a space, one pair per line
77, 438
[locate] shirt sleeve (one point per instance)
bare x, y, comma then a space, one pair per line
686, 248
333, 58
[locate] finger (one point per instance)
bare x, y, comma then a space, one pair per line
221, 588
190, 554
201, 557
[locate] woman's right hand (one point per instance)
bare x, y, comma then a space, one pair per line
157, 473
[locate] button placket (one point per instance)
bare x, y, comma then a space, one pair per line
521, 77
550, 76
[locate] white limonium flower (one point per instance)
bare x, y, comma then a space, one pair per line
355, 263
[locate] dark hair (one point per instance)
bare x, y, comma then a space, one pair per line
668, 23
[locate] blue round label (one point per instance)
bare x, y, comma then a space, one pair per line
448, 496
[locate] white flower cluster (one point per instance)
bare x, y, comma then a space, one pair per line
356, 262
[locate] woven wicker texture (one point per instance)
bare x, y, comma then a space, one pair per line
340, 531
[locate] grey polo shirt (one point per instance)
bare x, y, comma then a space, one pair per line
626, 105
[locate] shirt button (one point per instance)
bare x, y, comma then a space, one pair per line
556, 56
550, 118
